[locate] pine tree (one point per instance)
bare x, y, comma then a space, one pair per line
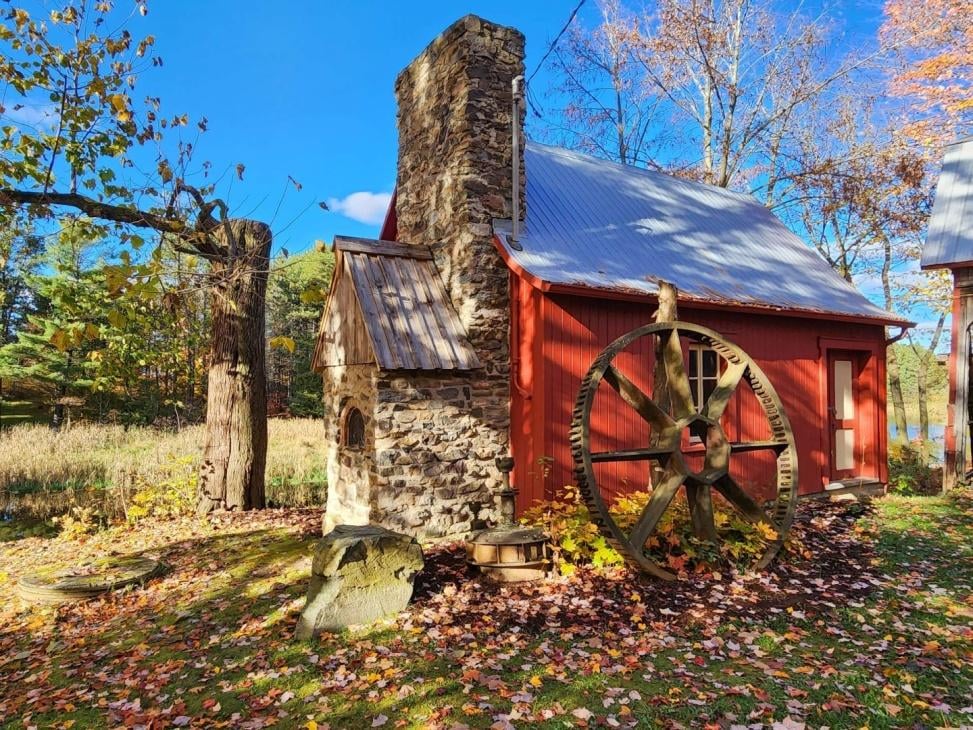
52, 346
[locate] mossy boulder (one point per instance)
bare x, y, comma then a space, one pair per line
360, 574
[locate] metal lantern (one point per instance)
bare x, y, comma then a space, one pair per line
509, 553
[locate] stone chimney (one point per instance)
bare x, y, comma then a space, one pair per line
454, 171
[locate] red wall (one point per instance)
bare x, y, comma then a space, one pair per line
555, 337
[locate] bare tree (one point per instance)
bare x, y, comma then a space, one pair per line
609, 112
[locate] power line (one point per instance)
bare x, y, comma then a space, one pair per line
550, 50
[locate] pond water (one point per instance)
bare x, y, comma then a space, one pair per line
937, 434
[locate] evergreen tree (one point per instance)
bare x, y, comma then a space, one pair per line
52, 346
295, 293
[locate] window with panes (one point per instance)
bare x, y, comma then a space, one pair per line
704, 373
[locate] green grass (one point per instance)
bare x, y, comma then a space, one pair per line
218, 630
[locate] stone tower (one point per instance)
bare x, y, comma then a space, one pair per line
454, 173
426, 464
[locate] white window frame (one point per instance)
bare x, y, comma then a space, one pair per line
698, 387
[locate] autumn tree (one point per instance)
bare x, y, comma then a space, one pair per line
933, 42
862, 198
714, 90
118, 159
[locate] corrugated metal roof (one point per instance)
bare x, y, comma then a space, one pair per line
409, 319
949, 240
602, 225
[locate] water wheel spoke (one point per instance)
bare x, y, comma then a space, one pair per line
633, 395
673, 417
744, 446
700, 501
632, 455
656, 506
725, 388
742, 501
679, 390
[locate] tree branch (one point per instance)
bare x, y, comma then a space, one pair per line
200, 241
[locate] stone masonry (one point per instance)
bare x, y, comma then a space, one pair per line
436, 433
351, 472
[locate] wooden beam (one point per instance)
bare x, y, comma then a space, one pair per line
381, 248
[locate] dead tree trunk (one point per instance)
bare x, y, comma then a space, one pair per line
235, 451
891, 361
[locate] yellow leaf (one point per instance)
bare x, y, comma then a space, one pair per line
536, 681
284, 343
766, 531
311, 725
60, 340
119, 101
117, 319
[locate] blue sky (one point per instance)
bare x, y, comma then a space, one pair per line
305, 89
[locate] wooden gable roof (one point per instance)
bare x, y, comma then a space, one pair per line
387, 306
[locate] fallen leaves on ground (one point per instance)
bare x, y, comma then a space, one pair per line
875, 630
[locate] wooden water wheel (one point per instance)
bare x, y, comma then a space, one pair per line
670, 413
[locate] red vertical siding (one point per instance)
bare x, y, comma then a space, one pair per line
572, 330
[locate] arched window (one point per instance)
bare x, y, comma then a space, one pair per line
354, 430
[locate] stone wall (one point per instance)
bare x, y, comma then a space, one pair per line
427, 467
454, 178
434, 453
351, 472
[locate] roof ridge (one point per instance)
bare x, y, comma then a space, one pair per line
373, 247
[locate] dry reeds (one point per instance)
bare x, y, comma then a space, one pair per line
44, 472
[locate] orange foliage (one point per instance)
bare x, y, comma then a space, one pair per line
934, 41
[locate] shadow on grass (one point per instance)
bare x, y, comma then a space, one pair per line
213, 639
221, 610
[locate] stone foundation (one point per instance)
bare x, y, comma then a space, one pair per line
428, 467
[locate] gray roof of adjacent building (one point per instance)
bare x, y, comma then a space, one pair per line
949, 240
596, 224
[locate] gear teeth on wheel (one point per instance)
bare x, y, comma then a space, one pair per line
787, 480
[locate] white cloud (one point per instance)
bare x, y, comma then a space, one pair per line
364, 207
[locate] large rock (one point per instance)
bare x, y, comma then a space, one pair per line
360, 573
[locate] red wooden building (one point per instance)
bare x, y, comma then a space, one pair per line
597, 237
536, 307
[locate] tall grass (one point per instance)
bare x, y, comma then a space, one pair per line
44, 473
